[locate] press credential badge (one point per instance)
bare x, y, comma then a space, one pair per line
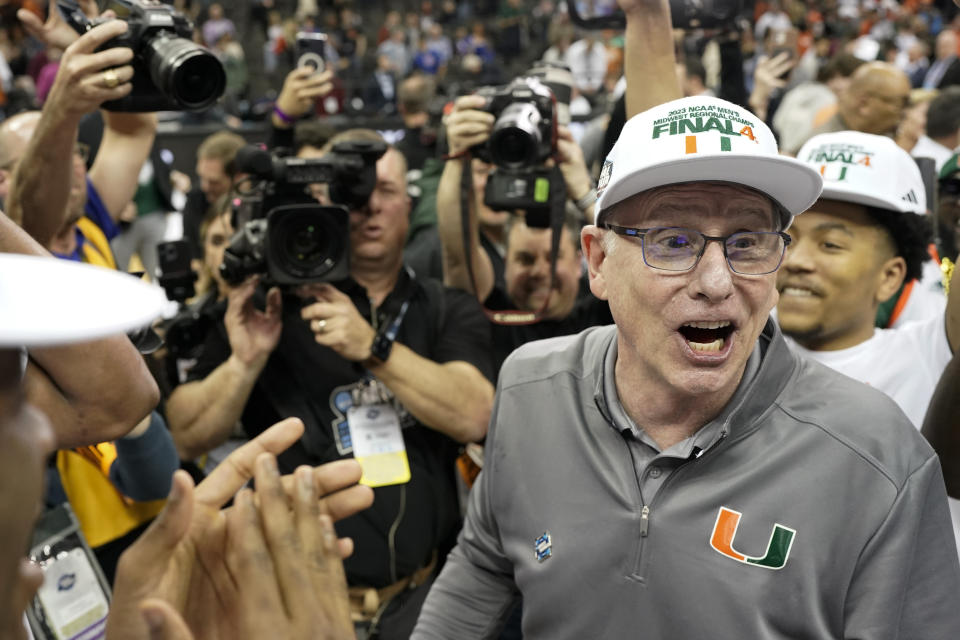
378, 444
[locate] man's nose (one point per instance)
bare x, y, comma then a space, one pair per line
712, 277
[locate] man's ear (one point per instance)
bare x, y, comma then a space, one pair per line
891, 277
591, 239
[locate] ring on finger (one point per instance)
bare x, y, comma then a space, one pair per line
321, 326
110, 79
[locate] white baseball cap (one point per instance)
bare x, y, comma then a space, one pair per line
48, 301
866, 169
703, 138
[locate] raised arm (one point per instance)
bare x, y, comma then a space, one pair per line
467, 126
41, 184
201, 414
649, 60
126, 143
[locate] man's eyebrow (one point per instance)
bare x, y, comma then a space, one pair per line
831, 226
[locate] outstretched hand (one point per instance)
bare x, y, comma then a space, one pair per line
181, 570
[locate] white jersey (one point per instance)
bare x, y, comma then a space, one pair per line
905, 363
927, 299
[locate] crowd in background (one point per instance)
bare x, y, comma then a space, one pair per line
804, 67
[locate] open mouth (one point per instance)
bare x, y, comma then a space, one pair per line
707, 336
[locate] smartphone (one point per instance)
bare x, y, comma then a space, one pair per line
311, 50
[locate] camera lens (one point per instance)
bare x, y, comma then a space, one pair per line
516, 136
305, 243
185, 72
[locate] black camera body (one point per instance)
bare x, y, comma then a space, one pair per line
523, 138
282, 232
171, 72
184, 333
524, 134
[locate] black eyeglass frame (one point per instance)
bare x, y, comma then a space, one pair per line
632, 232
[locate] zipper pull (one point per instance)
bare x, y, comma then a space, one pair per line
644, 521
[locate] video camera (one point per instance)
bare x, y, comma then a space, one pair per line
282, 232
523, 138
170, 71
185, 331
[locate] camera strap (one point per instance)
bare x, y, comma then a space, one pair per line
557, 203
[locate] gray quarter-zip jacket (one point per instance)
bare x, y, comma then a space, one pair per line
815, 510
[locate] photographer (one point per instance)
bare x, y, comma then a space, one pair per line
526, 270
75, 218
335, 354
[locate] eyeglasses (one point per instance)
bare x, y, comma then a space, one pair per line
749, 253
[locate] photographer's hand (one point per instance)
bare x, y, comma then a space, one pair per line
301, 89
55, 32
336, 322
467, 125
253, 333
88, 78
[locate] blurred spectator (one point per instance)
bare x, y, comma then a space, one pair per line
512, 26
693, 78
144, 222
390, 22
419, 141
874, 101
944, 71
773, 18
231, 55
215, 175
412, 28
380, 90
439, 43
425, 60
799, 109
942, 128
476, 43
217, 26
587, 60
916, 62
560, 40
396, 52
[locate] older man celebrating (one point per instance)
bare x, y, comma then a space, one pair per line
685, 455
682, 473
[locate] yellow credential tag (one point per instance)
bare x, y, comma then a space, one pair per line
378, 445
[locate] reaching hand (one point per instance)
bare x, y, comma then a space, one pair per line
336, 322
183, 570
301, 89
253, 333
771, 73
467, 125
55, 32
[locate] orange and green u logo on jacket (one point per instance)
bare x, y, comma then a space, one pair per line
778, 548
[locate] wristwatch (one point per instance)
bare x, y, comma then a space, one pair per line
382, 345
